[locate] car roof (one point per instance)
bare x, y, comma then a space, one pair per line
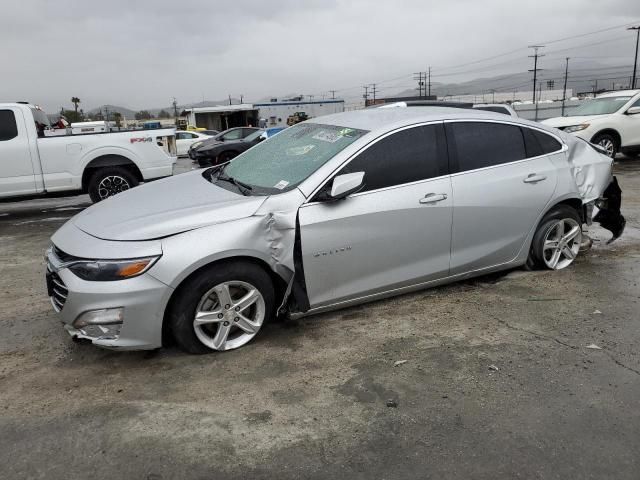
389, 118
619, 93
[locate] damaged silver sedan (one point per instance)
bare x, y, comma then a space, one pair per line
341, 210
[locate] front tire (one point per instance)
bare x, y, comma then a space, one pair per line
557, 240
109, 181
609, 142
222, 307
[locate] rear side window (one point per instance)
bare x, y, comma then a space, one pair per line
410, 155
539, 143
485, 144
8, 125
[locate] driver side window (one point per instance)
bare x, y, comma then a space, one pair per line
233, 134
410, 155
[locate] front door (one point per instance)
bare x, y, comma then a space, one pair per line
394, 233
16, 170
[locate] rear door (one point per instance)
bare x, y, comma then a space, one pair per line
16, 169
501, 184
394, 233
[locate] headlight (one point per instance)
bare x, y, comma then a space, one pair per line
576, 128
196, 145
110, 270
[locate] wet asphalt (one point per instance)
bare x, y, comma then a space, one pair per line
513, 375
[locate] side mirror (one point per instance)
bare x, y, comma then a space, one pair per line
633, 111
345, 185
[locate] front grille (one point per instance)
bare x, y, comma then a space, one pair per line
58, 291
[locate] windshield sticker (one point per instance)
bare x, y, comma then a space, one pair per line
281, 185
347, 132
296, 151
326, 136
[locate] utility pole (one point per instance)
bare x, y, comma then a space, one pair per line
429, 81
374, 91
366, 95
493, 98
535, 66
241, 98
564, 89
595, 87
333, 94
175, 108
635, 62
229, 99
420, 80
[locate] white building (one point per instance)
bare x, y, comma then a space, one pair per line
275, 113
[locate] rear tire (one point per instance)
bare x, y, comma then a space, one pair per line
109, 181
557, 240
201, 298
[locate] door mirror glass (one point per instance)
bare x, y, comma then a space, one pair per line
633, 111
345, 185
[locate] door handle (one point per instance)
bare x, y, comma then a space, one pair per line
433, 197
534, 178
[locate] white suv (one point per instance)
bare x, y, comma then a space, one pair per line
611, 120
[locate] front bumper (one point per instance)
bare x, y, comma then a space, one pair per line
143, 300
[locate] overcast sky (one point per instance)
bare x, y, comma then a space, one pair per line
141, 53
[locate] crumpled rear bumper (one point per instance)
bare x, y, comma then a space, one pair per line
609, 215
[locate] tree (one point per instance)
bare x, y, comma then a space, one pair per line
143, 115
75, 101
117, 117
72, 116
164, 114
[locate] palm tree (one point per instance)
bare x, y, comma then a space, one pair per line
75, 101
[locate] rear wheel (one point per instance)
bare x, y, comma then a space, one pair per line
109, 181
557, 240
608, 142
222, 308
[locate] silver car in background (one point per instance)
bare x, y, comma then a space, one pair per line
336, 211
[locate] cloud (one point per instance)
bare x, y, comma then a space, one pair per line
141, 53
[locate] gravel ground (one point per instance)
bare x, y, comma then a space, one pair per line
495, 379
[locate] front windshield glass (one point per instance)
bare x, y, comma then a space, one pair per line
285, 160
599, 106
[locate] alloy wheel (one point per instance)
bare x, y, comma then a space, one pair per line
561, 243
112, 185
608, 145
229, 315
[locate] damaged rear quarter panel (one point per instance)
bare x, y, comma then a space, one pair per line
589, 171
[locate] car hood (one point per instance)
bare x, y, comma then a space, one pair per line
164, 208
558, 122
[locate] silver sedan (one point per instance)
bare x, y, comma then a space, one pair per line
340, 210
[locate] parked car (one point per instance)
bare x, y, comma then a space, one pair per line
214, 153
497, 108
32, 163
353, 207
611, 120
232, 134
185, 139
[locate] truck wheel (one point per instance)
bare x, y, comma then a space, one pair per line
109, 181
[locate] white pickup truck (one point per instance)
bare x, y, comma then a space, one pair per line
101, 164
